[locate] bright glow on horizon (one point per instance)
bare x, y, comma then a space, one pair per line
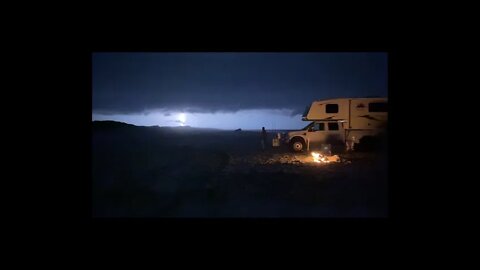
244, 119
182, 118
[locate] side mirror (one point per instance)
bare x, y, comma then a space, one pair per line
310, 129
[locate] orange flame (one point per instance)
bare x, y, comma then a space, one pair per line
318, 158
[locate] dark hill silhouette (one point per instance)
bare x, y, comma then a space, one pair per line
108, 124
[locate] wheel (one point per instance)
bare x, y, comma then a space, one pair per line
298, 145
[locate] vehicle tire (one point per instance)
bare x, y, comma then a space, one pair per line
298, 145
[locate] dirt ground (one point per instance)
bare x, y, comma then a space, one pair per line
175, 172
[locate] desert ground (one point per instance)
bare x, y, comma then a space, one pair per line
191, 172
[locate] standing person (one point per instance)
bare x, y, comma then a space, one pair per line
350, 144
264, 138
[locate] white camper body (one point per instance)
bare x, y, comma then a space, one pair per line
359, 113
356, 118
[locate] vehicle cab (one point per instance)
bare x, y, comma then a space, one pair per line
315, 134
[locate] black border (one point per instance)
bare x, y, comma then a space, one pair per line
73, 68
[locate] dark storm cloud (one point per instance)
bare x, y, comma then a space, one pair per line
228, 82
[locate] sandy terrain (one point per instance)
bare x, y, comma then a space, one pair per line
184, 172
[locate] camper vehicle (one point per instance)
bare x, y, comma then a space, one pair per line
338, 121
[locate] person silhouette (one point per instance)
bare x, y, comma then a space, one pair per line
264, 138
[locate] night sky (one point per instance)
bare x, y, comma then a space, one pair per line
228, 90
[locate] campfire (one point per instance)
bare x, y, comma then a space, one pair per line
319, 158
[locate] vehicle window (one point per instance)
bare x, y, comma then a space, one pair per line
331, 108
332, 126
377, 107
319, 126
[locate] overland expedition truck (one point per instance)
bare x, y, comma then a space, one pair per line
338, 121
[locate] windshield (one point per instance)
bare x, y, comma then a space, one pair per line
308, 126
